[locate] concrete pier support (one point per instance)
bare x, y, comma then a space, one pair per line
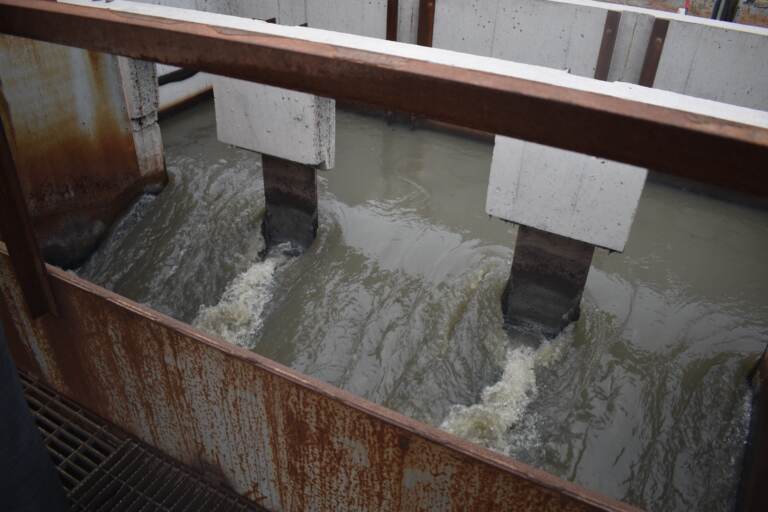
290, 190
295, 134
548, 275
566, 204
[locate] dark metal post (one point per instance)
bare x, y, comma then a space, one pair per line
547, 279
19, 236
426, 22
291, 196
653, 52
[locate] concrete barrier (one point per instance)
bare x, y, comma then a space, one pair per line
295, 132
85, 139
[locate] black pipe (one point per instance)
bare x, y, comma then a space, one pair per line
28, 480
178, 75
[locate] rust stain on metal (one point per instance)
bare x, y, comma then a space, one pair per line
609, 127
73, 146
607, 44
392, 8
16, 230
426, 28
653, 52
282, 439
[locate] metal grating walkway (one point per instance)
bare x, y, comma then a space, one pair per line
102, 470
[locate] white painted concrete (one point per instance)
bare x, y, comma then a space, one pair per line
361, 17
491, 65
407, 21
139, 84
569, 194
286, 124
716, 63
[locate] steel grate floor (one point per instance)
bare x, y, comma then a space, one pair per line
102, 470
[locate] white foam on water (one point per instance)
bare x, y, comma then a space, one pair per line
238, 316
501, 421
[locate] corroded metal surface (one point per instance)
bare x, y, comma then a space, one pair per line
16, 230
653, 52
72, 140
284, 440
426, 28
678, 142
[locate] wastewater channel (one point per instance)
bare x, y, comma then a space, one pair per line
644, 398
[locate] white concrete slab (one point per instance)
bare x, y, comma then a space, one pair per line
287, 124
577, 196
361, 17
715, 63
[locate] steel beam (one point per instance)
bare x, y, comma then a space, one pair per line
653, 52
676, 141
607, 44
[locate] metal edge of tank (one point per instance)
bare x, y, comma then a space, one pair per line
282, 439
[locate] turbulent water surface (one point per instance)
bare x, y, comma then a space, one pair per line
643, 399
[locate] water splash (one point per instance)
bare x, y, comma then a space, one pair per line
501, 421
239, 315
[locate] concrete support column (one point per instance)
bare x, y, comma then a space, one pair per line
290, 190
548, 275
566, 204
295, 134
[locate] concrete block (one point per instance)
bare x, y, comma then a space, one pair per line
407, 21
630, 47
716, 63
551, 34
361, 17
465, 25
287, 124
573, 195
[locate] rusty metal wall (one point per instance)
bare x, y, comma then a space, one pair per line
72, 140
282, 439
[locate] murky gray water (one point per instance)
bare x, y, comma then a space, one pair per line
643, 399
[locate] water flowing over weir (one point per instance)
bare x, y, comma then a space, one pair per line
644, 398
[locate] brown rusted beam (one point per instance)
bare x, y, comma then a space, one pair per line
653, 52
682, 143
290, 190
426, 22
19, 236
392, 7
604, 56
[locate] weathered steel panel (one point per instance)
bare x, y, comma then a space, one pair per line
284, 440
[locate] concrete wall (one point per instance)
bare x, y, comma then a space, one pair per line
85, 139
287, 124
713, 60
